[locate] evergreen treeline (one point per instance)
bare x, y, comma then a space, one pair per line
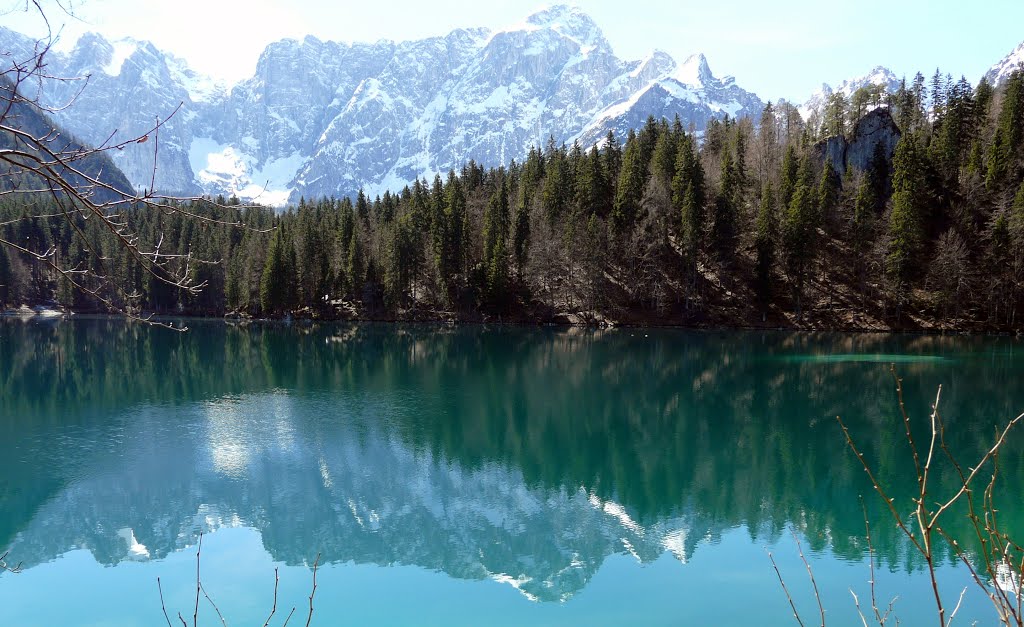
751, 223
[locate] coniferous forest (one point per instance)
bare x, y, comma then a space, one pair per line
753, 222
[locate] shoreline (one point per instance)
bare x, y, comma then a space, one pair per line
562, 320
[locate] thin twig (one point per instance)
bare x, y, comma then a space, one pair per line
956, 609
288, 618
879, 617
316, 563
856, 603
810, 574
274, 608
162, 605
215, 608
199, 585
789, 597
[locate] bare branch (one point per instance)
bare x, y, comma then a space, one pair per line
163, 606
316, 563
273, 609
789, 597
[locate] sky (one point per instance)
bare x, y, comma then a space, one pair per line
775, 49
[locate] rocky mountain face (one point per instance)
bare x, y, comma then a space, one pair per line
324, 118
876, 131
106, 92
1000, 72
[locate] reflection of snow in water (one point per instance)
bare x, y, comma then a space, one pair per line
617, 511
239, 433
675, 543
136, 552
1007, 578
517, 583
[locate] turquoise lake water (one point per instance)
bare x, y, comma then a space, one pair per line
476, 475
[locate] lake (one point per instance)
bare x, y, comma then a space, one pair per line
476, 475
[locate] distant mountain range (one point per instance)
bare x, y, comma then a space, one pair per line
327, 119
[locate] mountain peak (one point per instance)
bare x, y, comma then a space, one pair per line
558, 14
695, 70
1001, 71
569, 21
93, 51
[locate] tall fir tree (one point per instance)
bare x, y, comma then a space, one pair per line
906, 233
764, 243
799, 237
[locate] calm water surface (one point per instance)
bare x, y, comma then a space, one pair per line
472, 476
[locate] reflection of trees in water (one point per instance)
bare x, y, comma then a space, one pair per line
731, 428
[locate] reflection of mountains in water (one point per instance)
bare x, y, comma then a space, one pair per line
527, 455
349, 490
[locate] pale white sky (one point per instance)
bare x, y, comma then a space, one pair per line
776, 49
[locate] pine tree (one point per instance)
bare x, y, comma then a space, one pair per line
799, 231
725, 220
612, 158
906, 235
355, 267
688, 195
834, 124
593, 194
938, 96
496, 228
555, 196
234, 295
630, 189
403, 260
450, 248
521, 231
828, 193
1015, 227
1009, 137
275, 279
787, 185
764, 242
362, 206
664, 159
767, 144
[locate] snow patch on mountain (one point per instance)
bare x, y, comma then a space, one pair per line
694, 71
232, 171
121, 50
1001, 71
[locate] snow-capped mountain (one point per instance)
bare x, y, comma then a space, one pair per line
689, 91
119, 90
324, 118
878, 76
1000, 72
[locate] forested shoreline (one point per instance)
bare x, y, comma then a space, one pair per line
773, 222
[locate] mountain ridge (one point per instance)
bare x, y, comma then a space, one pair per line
322, 118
